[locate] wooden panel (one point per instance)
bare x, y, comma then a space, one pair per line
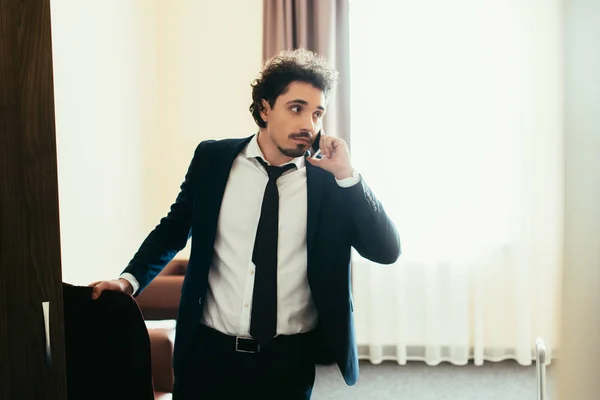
30, 266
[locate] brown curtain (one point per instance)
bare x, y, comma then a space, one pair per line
321, 26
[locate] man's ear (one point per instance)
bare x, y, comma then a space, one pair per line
266, 108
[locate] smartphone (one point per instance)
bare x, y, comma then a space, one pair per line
315, 146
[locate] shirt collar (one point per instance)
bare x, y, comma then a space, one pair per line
253, 151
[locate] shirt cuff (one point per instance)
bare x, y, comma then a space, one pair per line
131, 279
348, 182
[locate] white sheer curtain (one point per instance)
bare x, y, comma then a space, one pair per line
457, 126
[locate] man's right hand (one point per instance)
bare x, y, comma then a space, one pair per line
116, 285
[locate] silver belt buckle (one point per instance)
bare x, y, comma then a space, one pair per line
246, 345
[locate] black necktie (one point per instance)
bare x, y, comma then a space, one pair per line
263, 322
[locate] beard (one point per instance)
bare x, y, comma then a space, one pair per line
298, 151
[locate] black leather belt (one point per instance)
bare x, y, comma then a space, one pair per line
249, 345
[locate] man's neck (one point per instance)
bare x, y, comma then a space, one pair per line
272, 154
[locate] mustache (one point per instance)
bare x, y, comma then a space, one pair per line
301, 135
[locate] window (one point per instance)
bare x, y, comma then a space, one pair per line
456, 121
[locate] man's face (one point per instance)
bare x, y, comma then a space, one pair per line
295, 119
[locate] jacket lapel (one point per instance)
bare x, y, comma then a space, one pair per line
220, 169
315, 179
215, 179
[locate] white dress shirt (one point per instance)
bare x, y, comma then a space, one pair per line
228, 301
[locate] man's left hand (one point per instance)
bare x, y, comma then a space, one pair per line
336, 157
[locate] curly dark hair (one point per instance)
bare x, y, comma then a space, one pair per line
290, 66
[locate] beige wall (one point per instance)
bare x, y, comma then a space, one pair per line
580, 352
105, 79
210, 53
138, 84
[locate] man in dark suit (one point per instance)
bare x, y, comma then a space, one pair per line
267, 294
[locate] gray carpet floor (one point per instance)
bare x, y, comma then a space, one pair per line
417, 381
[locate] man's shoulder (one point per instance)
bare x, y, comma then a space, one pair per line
212, 151
221, 144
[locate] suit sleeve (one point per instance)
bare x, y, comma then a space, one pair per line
373, 234
172, 233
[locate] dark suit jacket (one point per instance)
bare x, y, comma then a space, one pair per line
107, 346
338, 219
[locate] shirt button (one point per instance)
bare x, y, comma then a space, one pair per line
251, 272
246, 305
